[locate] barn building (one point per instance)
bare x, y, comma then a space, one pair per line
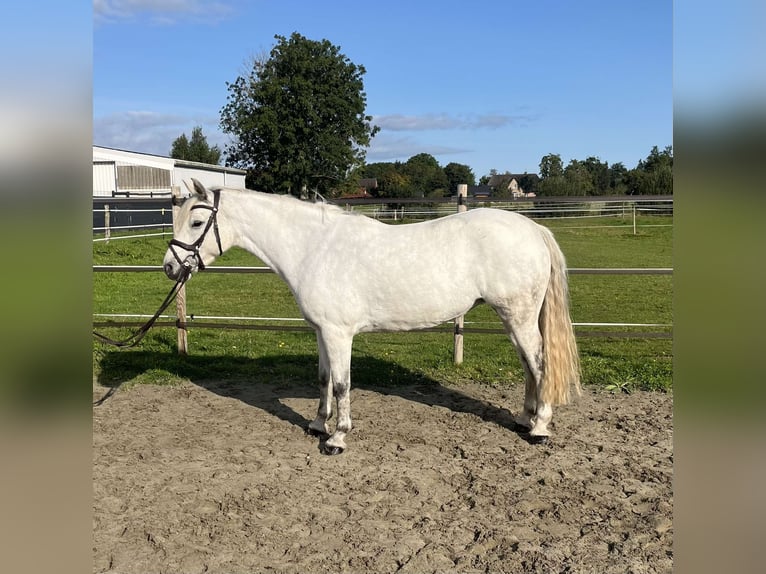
132, 190
126, 174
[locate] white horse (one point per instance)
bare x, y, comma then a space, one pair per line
351, 274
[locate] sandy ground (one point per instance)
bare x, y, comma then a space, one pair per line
221, 478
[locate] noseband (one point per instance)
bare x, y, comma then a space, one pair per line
212, 221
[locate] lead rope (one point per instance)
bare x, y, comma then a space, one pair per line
139, 334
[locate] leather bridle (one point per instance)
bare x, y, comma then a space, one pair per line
212, 221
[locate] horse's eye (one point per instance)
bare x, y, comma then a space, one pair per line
196, 224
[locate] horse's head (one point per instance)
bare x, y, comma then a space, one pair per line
196, 241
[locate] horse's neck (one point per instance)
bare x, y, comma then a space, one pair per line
278, 230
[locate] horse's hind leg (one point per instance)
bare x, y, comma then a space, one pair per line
524, 419
318, 427
528, 341
537, 413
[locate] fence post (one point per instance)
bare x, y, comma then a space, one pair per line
183, 345
462, 193
634, 219
107, 223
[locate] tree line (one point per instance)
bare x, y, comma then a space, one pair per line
419, 176
297, 122
591, 176
422, 176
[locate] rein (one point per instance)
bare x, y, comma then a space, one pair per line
136, 337
186, 272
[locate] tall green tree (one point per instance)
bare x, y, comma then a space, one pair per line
578, 179
654, 175
458, 173
195, 149
552, 180
426, 176
618, 175
599, 174
390, 177
394, 183
657, 160
551, 166
298, 118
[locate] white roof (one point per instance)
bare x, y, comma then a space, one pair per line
132, 157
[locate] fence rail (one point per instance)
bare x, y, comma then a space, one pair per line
110, 213
446, 329
208, 322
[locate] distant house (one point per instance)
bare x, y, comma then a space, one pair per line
480, 191
515, 183
363, 188
368, 183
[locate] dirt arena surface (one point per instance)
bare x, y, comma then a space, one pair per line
221, 478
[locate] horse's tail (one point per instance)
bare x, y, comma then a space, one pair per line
561, 368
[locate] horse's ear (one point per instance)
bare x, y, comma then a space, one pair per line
196, 188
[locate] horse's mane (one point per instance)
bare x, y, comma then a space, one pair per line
328, 209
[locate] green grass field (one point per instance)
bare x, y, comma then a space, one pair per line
390, 358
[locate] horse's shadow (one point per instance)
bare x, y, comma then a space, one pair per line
272, 379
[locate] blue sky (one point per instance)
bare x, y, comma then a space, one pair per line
491, 84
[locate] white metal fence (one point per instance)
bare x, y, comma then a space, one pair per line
233, 322
578, 210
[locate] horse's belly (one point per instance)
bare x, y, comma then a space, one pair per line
417, 310
386, 304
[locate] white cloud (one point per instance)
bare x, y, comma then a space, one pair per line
154, 132
385, 148
425, 122
151, 132
159, 11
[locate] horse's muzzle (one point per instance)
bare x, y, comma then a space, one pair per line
175, 270
171, 271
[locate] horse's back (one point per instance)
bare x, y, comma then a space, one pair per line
502, 236
462, 241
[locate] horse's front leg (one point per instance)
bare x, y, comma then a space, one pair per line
338, 349
318, 427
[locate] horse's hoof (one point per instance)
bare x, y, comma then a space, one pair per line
538, 439
331, 450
